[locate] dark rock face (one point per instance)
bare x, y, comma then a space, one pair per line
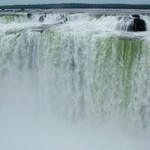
135, 16
29, 15
137, 24
41, 19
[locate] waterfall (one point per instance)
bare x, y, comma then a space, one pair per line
81, 74
80, 70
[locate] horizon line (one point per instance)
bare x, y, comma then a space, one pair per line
76, 3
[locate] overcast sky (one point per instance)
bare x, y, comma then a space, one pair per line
11, 2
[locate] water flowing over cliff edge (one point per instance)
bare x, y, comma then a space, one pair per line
86, 68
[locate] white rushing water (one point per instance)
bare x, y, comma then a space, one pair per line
75, 84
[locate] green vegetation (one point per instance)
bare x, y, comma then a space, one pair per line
76, 5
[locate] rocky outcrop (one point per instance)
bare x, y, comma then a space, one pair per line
137, 24
29, 15
41, 19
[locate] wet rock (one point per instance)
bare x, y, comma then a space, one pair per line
64, 18
44, 15
135, 16
137, 24
41, 19
29, 15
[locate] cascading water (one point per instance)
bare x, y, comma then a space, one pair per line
81, 70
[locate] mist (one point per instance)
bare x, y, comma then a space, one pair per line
23, 128
27, 124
